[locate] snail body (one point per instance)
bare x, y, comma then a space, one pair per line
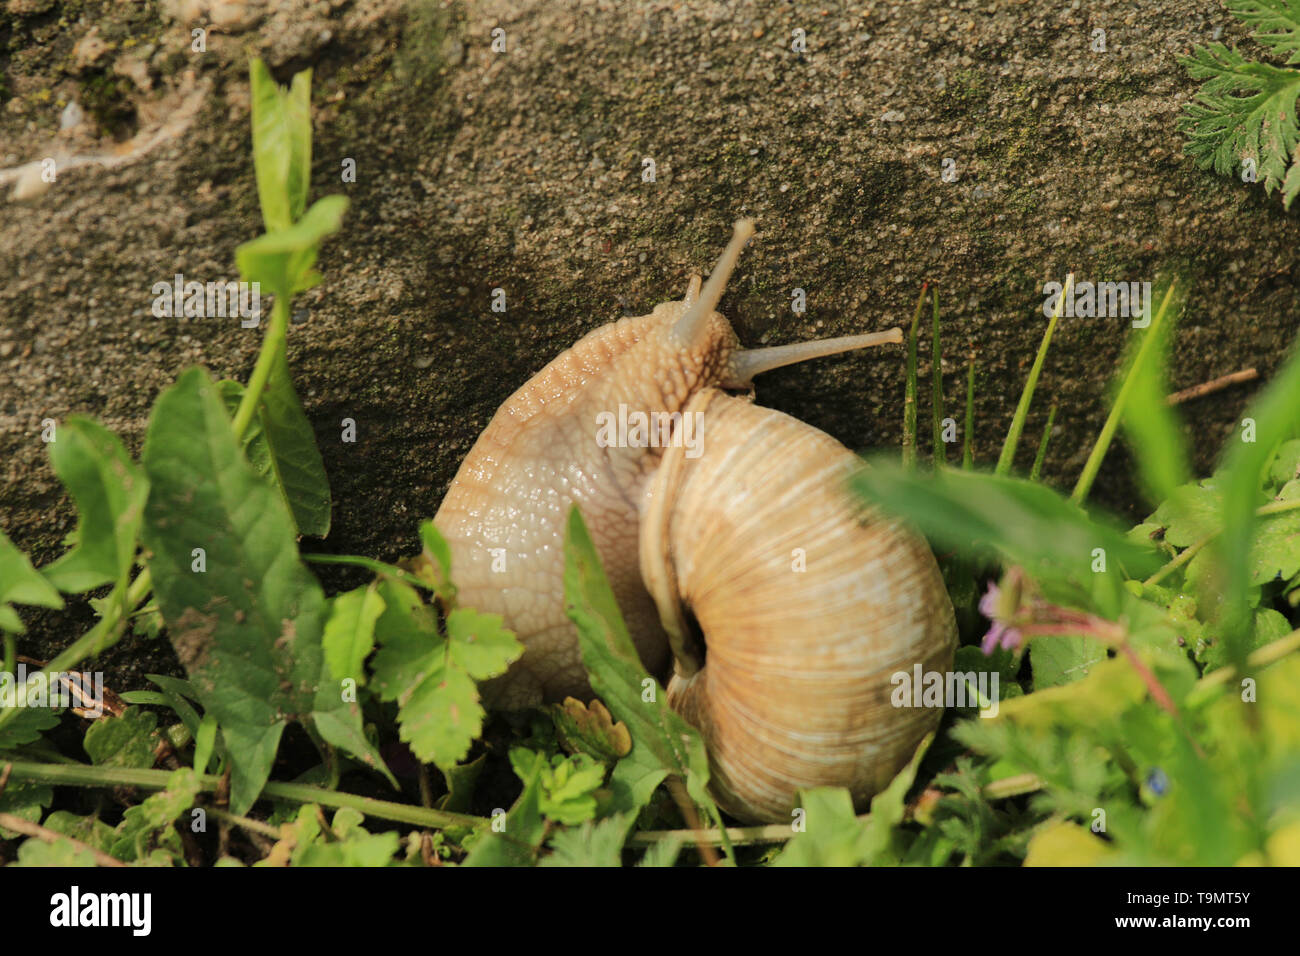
784, 671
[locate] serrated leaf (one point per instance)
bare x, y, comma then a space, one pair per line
659, 736
1275, 23
146, 828
592, 844
833, 835
125, 741
110, 492
590, 730
480, 644
568, 788
1242, 111
433, 676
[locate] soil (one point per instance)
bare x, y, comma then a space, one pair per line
524, 170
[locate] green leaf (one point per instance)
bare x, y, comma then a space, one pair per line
516, 835
1018, 521
281, 446
22, 584
1058, 660
1275, 413
1242, 110
88, 829
437, 553
1152, 425
592, 844
60, 853
350, 631
568, 788
126, 741
433, 677
590, 730
1191, 513
281, 259
299, 469
254, 442
354, 846
281, 144
660, 738
110, 491
23, 799
30, 722
663, 853
248, 628
1275, 23
833, 835
147, 827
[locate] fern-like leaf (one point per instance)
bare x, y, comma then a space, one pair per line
1244, 111
1275, 23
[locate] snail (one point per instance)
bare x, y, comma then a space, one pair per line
735, 552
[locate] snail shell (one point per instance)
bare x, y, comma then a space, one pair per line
788, 679
790, 684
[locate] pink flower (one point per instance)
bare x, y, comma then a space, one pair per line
1000, 634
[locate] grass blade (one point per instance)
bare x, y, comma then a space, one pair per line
936, 380
968, 440
1152, 338
1042, 445
1022, 410
909, 400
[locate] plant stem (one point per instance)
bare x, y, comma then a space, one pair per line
1042, 445
1093, 464
87, 776
909, 394
109, 627
254, 826
1021, 783
1022, 409
379, 567
16, 823
940, 453
271, 345
102, 635
11, 654
968, 440
1268, 654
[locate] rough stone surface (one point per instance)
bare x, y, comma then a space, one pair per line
523, 170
